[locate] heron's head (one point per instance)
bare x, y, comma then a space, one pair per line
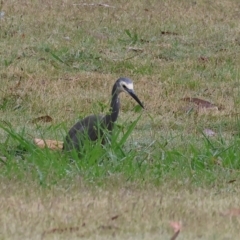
126, 85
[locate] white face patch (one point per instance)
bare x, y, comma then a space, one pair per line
129, 86
126, 85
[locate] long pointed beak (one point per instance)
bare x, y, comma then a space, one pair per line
134, 96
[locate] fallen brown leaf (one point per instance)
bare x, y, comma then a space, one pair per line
203, 59
177, 226
94, 5
234, 212
52, 144
135, 49
209, 132
168, 33
42, 119
232, 181
201, 103
114, 217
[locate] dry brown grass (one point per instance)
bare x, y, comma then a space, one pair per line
127, 212
189, 49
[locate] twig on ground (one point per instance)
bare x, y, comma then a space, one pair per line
93, 5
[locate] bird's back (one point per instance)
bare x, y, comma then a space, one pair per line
90, 128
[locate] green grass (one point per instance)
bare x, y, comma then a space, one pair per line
202, 161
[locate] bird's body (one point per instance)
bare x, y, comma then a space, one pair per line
94, 126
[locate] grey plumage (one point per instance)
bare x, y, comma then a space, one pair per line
93, 126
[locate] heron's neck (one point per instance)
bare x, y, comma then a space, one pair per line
114, 109
115, 105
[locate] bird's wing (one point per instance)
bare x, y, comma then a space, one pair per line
86, 128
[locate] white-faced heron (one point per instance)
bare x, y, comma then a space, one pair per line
93, 126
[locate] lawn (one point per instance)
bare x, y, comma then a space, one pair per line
174, 164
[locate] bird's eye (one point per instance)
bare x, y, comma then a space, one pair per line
124, 86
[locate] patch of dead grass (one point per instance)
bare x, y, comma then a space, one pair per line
126, 212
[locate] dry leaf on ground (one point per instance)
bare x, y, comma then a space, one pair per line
232, 181
135, 49
203, 59
199, 102
201, 106
93, 5
52, 144
208, 132
234, 212
114, 217
168, 33
177, 226
42, 119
